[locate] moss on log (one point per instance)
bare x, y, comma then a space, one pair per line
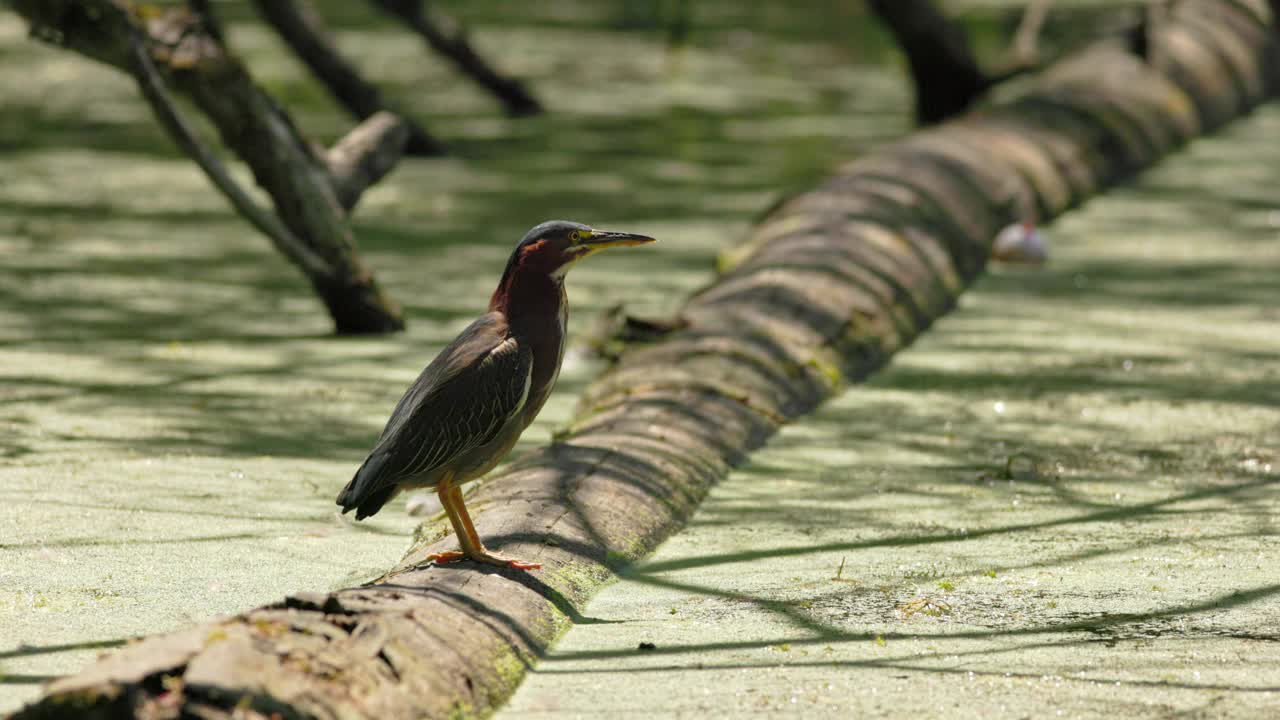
826, 288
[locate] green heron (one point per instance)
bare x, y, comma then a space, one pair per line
466, 410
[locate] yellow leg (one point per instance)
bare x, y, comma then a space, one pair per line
442, 490
472, 547
468, 535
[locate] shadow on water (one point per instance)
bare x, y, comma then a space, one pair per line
28, 650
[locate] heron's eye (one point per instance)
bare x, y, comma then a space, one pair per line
575, 236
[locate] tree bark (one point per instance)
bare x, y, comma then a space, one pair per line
301, 27
444, 35
367, 153
175, 49
204, 10
826, 288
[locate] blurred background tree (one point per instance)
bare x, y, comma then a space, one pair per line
312, 189
187, 49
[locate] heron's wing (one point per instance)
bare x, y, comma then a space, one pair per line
459, 402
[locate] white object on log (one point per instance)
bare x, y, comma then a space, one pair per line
424, 505
1020, 243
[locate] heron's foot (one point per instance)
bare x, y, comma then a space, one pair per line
448, 556
492, 558
484, 556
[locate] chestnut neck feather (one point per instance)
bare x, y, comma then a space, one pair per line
536, 307
529, 299
530, 293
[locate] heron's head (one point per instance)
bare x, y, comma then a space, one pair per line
553, 247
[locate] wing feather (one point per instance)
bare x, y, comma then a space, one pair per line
461, 401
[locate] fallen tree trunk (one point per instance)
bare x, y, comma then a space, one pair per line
175, 49
829, 285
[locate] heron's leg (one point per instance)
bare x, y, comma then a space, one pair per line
459, 529
468, 534
472, 546
451, 498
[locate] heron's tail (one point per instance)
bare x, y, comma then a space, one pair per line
364, 493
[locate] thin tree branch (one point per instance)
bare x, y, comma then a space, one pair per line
447, 37
1024, 52
298, 23
186, 57
365, 154
1025, 48
153, 89
204, 10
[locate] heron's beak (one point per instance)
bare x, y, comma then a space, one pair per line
601, 239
